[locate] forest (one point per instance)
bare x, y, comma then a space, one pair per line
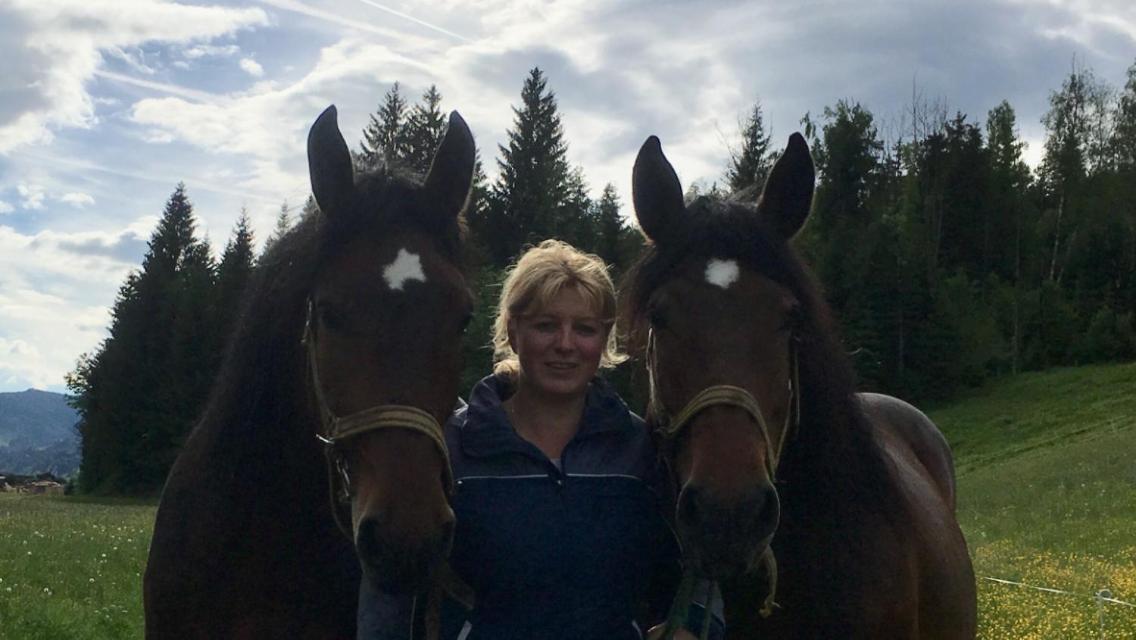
946, 258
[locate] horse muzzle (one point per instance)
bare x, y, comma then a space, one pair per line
397, 562
725, 538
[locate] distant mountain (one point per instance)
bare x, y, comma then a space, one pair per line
37, 433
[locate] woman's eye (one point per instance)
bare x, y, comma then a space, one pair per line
545, 326
587, 330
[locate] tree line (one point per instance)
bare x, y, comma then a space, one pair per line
945, 257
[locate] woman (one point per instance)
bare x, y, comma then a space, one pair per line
559, 531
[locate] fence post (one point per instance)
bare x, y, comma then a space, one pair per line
1100, 596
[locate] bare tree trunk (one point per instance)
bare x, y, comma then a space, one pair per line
1056, 238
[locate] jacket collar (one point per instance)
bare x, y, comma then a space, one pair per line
486, 430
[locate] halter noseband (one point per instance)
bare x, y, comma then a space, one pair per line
338, 429
670, 427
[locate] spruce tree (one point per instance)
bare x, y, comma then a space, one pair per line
610, 228
749, 166
533, 187
424, 128
283, 225
133, 393
234, 272
384, 137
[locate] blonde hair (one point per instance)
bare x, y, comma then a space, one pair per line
531, 284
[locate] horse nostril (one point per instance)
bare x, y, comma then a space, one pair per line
765, 508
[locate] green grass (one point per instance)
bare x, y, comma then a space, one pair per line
1047, 496
71, 568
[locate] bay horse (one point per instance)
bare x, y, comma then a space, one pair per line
821, 512
349, 345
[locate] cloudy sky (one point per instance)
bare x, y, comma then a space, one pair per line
106, 104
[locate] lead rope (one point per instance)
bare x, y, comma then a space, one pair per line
392, 416
669, 429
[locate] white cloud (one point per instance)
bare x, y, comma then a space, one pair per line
135, 60
54, 292
50, 49
208, 50
251, 67
6, 208
77, 200
31, 196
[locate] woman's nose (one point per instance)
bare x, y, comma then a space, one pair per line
564, 339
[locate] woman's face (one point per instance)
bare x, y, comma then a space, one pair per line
559, 346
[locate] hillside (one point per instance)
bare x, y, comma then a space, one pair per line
37, 433
1047, 496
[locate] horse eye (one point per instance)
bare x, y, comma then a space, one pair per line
657, 318
465, 322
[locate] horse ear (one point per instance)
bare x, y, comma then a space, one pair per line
655, 191
451, 172
329, 164
788, 193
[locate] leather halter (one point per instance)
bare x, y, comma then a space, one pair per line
669, 428
338, 429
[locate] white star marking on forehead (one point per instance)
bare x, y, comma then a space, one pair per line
722, 273
406, 266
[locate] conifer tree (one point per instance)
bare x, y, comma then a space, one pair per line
424, 128
132, 397
234, 272
533, 186
750, 165
384, 137
283, 225
610, 227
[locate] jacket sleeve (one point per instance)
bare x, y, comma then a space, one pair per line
382, 616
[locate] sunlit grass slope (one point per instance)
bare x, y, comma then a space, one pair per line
1047, 496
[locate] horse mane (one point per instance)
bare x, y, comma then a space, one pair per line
831, 462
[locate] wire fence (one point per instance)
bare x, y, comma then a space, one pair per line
1102, 597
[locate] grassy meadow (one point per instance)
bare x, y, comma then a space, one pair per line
1047, 496
71, 568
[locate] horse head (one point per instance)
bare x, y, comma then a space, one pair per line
716, 302
386, 313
